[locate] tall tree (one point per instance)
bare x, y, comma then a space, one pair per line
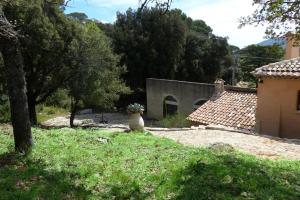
206, 56
164, 4
96, 79
279, 16
48, 35
15, 76
151, 44
82, 17
255, 56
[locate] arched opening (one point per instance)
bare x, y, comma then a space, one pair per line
199, 103
170, 106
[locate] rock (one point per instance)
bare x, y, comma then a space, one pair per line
221, 147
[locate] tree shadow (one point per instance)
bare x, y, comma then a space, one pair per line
228, 176
26, 179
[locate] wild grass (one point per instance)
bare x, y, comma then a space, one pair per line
175, 121
45, 113
95, 164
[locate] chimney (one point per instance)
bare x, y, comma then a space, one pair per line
291, 47
219, 87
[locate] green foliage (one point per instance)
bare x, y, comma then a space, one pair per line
151, 44
4, 108
135, 108
75, 164
46, 41
169, 46
255, 56
60, 99
4, 101
205, 58
96, 79
78, 16
175, 121
279, 16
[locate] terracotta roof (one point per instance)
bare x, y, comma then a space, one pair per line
284, 69
233, 108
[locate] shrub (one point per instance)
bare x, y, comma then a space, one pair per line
135, 108
59, 99
4, 109
175, 121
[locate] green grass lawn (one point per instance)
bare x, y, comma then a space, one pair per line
76, 164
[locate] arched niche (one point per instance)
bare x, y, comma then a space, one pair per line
170, 105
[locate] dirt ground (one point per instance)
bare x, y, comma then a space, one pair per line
263, 146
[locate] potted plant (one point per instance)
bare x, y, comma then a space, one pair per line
136, 122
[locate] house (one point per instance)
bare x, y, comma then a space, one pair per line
229, 106
278, 92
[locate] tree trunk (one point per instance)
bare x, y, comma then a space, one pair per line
74, 107
32, 111
15, 76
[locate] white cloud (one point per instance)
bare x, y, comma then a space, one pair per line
223, 17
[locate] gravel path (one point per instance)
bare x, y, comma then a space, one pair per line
263, 146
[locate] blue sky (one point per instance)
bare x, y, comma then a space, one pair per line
221, 15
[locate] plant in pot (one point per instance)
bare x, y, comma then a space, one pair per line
136, 122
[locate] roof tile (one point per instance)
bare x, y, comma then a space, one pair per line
232, 108
284, 69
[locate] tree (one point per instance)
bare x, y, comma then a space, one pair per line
151, 44
279, 16
45, 46
82, 17
206, 56
96, 79
255, 56
164, 4
15, 76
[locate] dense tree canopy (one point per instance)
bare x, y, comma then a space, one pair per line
255, 56
279, 16
151, 44
168, 46
47, 35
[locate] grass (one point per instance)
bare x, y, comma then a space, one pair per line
94, 164
45, 113
175, 121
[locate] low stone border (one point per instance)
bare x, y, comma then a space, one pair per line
225, 128
174, 129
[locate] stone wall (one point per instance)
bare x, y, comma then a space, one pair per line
187, 94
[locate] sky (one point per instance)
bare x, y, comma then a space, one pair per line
221, 15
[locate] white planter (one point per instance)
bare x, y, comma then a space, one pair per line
136, 122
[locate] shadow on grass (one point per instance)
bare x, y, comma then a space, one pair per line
25, 179
230, 177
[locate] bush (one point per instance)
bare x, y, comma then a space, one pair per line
175, 121
59, 99
4, 109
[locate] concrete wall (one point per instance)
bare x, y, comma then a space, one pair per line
277, 113
186, 94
